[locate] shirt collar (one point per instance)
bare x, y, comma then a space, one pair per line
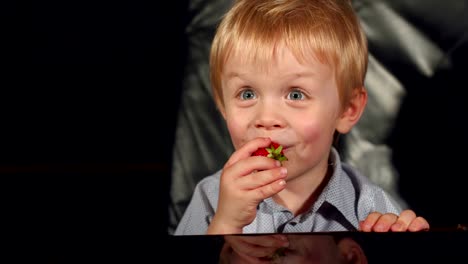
337, 191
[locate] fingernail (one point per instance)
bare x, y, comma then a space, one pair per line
283, 171
282, 183
397, 227
278, 163
379, 228
365, 226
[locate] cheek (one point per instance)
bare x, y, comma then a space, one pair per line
236, 131
318, 131
311, 132
315, 137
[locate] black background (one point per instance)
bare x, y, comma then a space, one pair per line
89, 97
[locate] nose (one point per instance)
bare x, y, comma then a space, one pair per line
269, 117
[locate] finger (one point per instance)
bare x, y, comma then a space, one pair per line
369, 222
262, 178
248, 149
275, 241
253, 250
403, 221
256, 246
268, 190
253, 165
418, 224
240, 258
385, 222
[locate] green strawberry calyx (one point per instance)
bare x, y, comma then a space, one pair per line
276, 153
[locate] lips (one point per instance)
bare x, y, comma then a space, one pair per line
279, 142
285, 147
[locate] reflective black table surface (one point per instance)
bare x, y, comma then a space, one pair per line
446, 246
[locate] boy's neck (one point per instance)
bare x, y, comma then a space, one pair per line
302, 192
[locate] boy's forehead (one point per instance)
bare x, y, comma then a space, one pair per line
268, 56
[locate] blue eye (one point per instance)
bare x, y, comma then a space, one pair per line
247, 95
296, 95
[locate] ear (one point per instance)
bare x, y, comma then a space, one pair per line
352, 111
351, 251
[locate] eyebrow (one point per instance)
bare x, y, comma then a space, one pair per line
231, 75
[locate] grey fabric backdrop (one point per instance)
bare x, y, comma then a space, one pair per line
405, 141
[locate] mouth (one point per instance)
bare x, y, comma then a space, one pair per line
285, 147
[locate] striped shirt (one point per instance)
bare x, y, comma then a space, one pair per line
348, 198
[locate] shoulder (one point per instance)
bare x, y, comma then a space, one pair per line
208, 187
371, 197
205, 195
352, 176
210, 181
356, 177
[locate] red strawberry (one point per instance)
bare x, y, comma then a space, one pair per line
275, 151
261, 152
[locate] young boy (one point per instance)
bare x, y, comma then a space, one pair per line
291, 72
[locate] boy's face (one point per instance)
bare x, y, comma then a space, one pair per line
296, 105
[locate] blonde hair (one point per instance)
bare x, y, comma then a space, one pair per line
326, 29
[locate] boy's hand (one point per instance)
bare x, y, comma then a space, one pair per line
253, 249
407, 221
246, 181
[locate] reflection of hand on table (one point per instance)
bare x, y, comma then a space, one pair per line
252, 248
299, 248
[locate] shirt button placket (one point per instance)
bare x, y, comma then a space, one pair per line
282, 219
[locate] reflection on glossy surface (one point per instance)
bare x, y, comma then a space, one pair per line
447, 245
291, 248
